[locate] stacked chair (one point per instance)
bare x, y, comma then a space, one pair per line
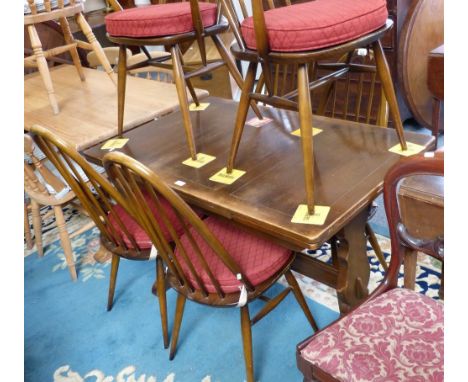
301, 35
170, 25
396, 333
48, 10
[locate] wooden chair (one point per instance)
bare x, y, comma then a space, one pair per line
44, 188
213, 262
396, 333
120, 233
300, 35
72, 8
154, 26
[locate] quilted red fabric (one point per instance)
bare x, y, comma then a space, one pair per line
158, 20
318, 24
258, 258
398, 336
139, 235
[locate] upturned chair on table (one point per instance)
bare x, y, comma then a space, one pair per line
60, 12
397, 333
120, 233
300, 35
170, 25
44, 188
213, 262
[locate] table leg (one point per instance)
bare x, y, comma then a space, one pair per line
353, 266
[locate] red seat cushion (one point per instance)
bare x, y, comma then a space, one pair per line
398, 336
134, 229
257, 258
318, 24
158, 20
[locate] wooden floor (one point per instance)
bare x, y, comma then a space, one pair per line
88, 110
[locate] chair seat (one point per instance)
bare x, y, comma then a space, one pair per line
318, 24
398, 336
258, 259
140, 236
158, 20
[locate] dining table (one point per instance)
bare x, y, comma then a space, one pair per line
350, 162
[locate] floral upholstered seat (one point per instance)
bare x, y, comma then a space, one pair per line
398, 336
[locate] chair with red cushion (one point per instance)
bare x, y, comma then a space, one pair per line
213, 262
396, 334
170, 25
300, 35
121, 235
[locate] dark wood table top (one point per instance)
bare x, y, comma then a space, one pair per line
351, 161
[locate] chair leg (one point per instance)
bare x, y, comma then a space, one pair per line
247, 342
241, 116
161, 292
43, 67
69, 39
96, 46
37, 226
189, 83
387, 84
375, 246
113, 278
121, 87
180, 83
305, 120
231, 65
177, 323
410, 262
65, 241
435, 119
27, 228
300, 299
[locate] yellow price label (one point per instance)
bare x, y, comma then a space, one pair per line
116, 143
412, 149
202, 159
223, 177
315, 131
200, 107
302, 216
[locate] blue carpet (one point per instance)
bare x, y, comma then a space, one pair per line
69, 333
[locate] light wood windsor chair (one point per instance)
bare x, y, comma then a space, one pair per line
120, 234
59, 12
44, 188
154, 25
301, 35
397, 333
213, 262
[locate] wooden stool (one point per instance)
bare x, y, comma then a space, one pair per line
435, 83
170, 25
301, 34
39, 58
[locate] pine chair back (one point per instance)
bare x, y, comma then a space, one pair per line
190, 275
59, 11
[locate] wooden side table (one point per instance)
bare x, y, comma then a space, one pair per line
435, 83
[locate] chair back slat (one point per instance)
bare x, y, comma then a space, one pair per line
192, 268
401, 240
96, 193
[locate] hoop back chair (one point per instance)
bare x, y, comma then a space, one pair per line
60, 12
396, 333
120, 233
43, 187
213, 262
300, 35
170, 25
